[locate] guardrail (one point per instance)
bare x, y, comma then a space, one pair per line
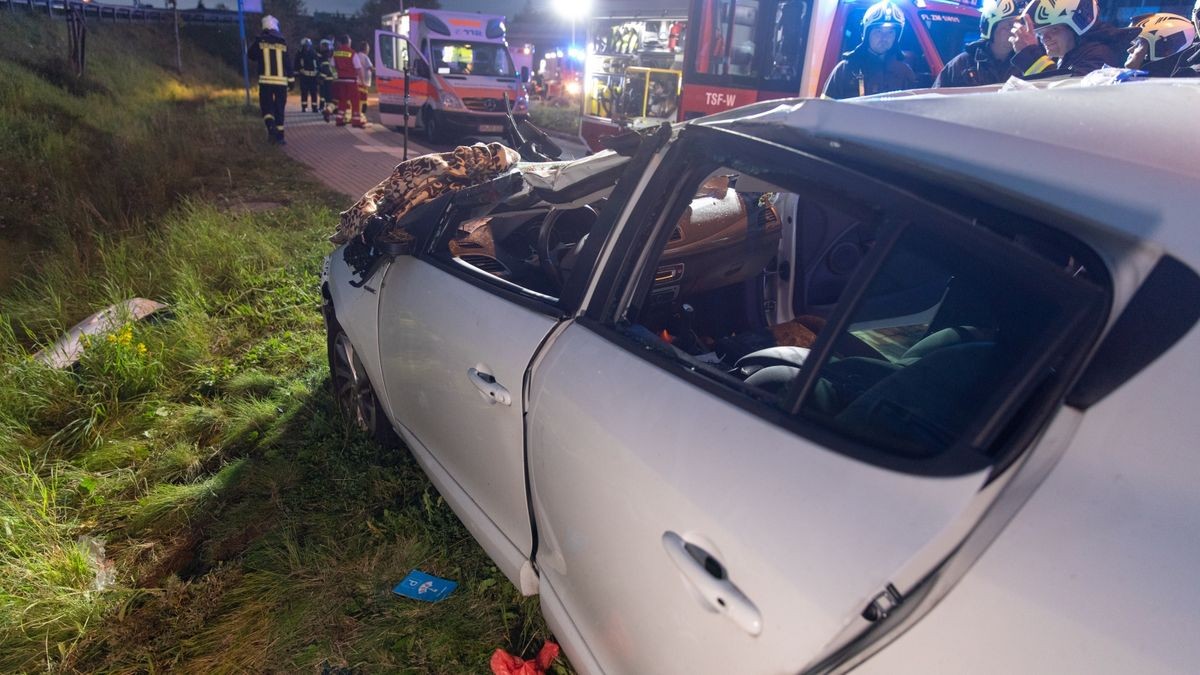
127, 13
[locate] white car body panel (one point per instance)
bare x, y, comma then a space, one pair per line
1095, 573
435, 327
612, 473
357, 310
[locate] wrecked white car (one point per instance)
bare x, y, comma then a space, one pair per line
905, 385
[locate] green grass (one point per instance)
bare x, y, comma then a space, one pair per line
244, 528
562, 119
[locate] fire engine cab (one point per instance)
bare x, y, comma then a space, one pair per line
672, 60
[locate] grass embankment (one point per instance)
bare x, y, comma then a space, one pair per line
561, 119
184, 499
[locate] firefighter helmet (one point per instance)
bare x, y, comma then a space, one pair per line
1078, 15
883, 14
993, 12
1196, 17
270, 23
1165, 35
306, 43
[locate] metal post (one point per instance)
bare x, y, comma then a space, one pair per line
178, 51
407, 65
245, 61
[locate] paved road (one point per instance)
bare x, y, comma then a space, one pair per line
353, 161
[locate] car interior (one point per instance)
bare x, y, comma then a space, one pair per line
931, 340
927, 344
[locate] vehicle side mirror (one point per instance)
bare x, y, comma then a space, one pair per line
420, 68
525, 73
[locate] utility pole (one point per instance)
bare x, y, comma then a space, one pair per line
178, 53
245, 61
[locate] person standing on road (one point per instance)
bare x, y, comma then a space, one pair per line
1161, 45
345, 88
985, 61
269, 51
368, 72
305, 68
875, 66
327, 76
1073, 39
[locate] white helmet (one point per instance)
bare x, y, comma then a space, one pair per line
881, 14
1196, 17
270, 23
1165, 34
1079, 15
993, 12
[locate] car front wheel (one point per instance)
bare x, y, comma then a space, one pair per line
352, 391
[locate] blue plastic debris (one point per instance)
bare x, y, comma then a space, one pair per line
420, 586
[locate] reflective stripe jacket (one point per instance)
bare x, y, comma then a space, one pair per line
343, 65
325, 67
1103, 45
306, 63
862, 73
973, 67
269, 51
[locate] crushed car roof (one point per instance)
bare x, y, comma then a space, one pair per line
1126, 156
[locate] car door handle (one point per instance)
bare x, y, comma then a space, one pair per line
707, 575
491, 390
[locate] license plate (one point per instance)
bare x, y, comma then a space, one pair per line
491, 128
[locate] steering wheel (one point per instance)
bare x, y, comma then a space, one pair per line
558, 236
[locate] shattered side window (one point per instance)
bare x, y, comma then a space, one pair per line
528, 235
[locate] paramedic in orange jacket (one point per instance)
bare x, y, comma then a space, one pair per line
345, 87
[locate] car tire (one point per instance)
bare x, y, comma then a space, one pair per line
433, 129
353, 395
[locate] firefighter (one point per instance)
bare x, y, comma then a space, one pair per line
368, 75
1161, 44
305, 67
1073, 39
269, 51
1189, 61
875, 65
345, 88
326, 75
985, 61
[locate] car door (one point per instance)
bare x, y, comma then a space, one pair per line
396, 56
454, 357
686, 526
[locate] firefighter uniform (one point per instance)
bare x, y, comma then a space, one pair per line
305, 67
345, 87
269, 52
326, 75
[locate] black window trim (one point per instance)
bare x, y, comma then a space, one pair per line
602, 318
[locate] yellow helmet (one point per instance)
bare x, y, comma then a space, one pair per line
1079, 15
993, 12
1165, 34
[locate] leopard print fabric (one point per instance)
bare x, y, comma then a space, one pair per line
420, 180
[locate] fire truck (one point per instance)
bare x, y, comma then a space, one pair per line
459, 70
673, 60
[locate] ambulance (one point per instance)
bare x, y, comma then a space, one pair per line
459, 69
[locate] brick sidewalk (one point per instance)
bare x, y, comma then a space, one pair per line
348, 160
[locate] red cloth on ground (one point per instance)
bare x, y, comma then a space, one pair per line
504, 663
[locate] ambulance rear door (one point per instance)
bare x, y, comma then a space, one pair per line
396, 55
